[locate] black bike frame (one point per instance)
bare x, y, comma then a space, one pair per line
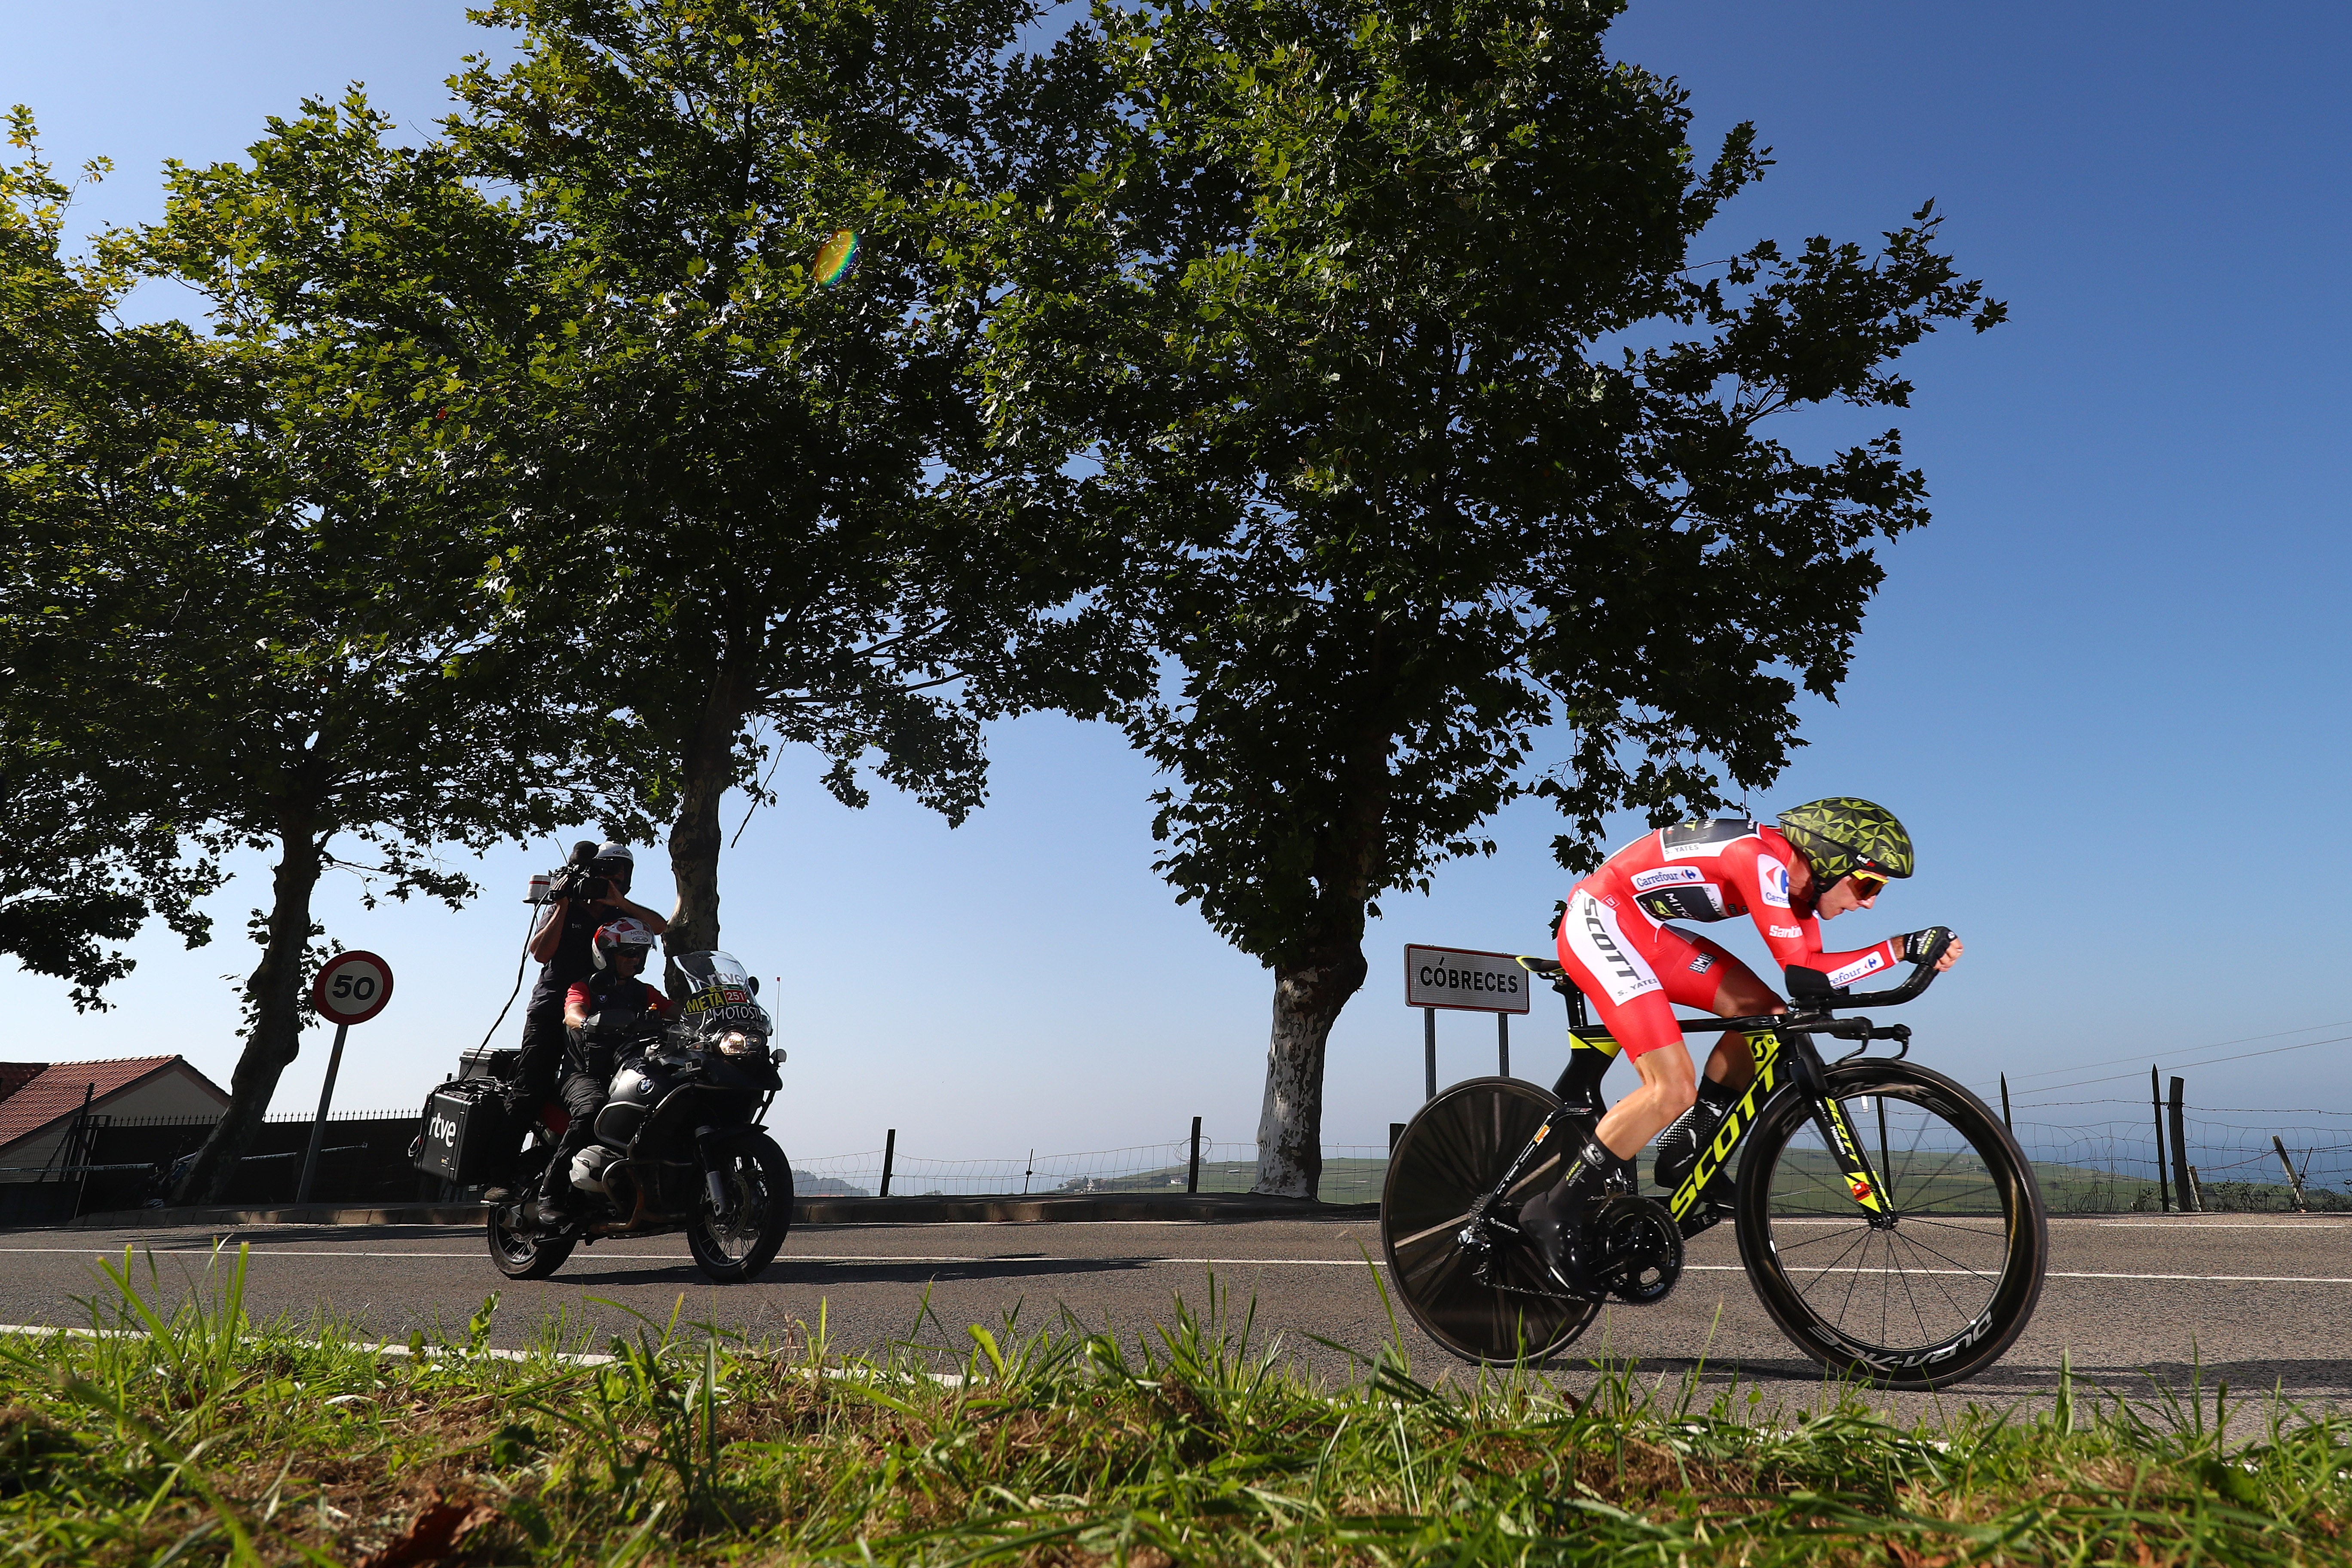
1782, 1048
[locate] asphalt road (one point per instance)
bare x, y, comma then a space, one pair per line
2262, 1301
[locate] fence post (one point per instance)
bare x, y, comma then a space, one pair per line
889, 1151
1192, 1177
2181, 1185
1396, 1130
1428, 1052
2155, 1097
2005, 1121
2291, 1179
2196, 1190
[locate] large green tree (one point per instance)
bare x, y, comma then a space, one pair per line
245, 566
762, 510
87, 858
1379, 327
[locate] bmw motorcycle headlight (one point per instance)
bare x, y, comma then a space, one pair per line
736, 1043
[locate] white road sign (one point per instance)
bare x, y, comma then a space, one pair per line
1463, 978
352, 987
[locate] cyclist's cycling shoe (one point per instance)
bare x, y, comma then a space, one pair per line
1557, 1230
1554, 1221
1679, 1144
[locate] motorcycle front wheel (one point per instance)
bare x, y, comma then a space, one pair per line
733, 1243
523, 1254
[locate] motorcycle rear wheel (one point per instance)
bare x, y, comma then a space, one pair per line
523, 1255
734, 1246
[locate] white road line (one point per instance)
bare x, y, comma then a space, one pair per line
2222, 1225
1225, 1262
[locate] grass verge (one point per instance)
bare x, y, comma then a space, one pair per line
197, 1435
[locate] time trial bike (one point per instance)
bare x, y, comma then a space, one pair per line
1890, 1224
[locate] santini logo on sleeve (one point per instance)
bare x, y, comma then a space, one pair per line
1783, 931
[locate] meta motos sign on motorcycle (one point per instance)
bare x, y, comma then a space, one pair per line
1464, 978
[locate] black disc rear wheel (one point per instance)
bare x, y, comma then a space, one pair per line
1939, 1286
1449, 1157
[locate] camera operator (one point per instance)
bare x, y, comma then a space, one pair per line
592, 891
605, 1018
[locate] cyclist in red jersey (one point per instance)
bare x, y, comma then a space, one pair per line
1822, 859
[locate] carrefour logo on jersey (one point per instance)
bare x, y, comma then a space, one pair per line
1857, 969
1666, 875
1775, 878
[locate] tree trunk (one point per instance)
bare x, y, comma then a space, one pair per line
694, 838
275, 994
1306, 1002
1314, 977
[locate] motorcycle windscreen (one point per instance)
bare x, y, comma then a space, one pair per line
719, 997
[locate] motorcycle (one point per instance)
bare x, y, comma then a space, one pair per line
679, 1143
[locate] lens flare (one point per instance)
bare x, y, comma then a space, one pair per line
835, 258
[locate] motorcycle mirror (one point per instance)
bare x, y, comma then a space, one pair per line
755, 983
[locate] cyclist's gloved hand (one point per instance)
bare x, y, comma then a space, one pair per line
1926, 946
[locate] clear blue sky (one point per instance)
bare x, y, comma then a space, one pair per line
2104, 687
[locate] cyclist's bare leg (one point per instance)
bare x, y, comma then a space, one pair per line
1741, 994
1669, 1087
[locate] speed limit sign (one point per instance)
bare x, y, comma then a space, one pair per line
352, 987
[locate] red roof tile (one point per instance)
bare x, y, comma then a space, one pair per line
55, 1093
15, 1076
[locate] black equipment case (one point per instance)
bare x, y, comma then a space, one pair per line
463, 1136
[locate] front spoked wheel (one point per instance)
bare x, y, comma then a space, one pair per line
1449, 1158
1930, 1291
734, 1242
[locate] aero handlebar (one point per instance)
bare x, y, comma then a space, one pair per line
1812, 1003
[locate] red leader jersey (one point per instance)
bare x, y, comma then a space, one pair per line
1616, 946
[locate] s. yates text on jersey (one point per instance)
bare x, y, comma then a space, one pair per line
1463, 977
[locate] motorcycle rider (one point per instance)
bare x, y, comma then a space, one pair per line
602, 1015
563, 942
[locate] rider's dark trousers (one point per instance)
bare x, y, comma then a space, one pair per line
583, 1095
541, 1061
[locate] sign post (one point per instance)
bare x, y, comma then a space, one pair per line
351, 988
1468, 981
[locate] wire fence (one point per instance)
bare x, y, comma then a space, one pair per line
2112, 1167
1351, 1173
2109, 1167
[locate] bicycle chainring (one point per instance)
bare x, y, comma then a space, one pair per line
1639, 1247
